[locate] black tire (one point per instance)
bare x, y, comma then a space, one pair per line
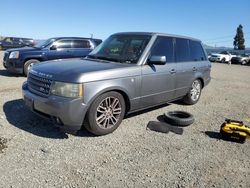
189, 99
27, 64
91, 123
244, 62
179, 118
223, 60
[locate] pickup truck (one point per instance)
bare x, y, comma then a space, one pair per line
223, 57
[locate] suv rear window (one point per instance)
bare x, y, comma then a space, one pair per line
163, 46
182, 50
196, 51
81, 44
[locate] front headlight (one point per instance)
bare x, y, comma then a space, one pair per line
14, 55
67, 89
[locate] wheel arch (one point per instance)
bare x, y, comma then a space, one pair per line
29, 58
201, 80
120, 90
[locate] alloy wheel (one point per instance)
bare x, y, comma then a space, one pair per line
108, 112
196, 90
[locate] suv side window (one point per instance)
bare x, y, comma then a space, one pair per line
196, 51
182, 50
63, 44
81, 44
163, 46
8, 40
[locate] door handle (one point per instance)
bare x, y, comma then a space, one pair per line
194, 69
173, 71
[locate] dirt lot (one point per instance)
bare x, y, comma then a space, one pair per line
33, 153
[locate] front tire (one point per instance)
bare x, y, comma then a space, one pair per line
223, 60
28, 64
105, 113
194, 93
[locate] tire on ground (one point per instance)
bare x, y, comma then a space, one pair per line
91, 122
27, 64
179, 118
188, 98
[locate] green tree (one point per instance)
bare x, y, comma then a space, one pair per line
239, 38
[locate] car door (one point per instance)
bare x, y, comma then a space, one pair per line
184, 66
61, 49
17, 43
81, 48
189, 61
158, 81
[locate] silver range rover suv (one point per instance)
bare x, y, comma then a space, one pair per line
128, 72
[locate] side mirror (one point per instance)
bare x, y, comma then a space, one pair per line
157, 60
53, 47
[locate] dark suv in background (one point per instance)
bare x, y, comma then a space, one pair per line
15, 42
20, 60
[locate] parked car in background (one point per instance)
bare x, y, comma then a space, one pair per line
223, 57
243, 59
208, 56
19, 60
15, 42
126, 73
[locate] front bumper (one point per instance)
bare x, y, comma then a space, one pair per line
13, 65
214, 59
64, 112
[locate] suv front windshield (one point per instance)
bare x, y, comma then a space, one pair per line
45, 43
121, 48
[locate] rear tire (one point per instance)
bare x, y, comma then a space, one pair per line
194, 93
244, 63
27, 65
105, 113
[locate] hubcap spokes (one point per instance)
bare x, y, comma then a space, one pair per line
108, 112
196, 90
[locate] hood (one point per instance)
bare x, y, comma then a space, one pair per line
83, 70
24, 49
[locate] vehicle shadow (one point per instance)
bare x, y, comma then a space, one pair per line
217, 135
133, 114
179, 102
8, 74
19, 116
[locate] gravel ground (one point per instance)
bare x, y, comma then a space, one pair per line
33, 153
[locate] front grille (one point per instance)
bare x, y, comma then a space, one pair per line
39, 85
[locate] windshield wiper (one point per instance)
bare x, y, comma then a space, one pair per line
128, 61
103, 58
91, 57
